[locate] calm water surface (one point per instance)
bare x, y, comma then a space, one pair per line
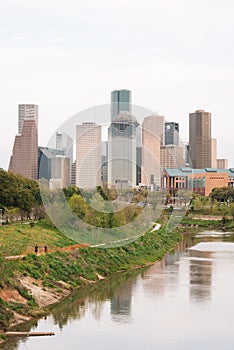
185, 301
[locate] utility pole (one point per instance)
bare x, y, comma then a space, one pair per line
1, 216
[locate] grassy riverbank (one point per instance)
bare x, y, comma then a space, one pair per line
31, 284
225, 225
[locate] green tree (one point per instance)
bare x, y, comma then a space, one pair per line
78, 205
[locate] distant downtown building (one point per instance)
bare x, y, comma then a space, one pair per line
122, 151
222, 163
24, 159
60, 172
172, 133
200, 139
64, 143
152, 138
213, 153
26, 111
88, 155
121, 101
73, 174
172, 156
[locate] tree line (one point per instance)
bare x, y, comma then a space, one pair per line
19, 197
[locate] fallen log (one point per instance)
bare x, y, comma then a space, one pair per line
29, 334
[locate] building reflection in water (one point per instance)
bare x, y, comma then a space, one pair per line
163, 275
121, 303
200, 281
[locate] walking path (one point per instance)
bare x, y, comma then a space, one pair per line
64, 249
79, 245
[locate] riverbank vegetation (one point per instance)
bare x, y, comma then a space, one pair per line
220, 202
24, 283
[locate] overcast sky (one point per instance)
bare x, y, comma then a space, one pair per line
67, 55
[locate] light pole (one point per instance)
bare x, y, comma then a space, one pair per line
1, 216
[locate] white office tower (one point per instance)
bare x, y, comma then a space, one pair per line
122, 146
88, 155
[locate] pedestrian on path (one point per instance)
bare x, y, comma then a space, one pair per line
36, 248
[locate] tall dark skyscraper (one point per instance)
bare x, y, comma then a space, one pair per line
120, 102
200, 139
172, 133
24, 159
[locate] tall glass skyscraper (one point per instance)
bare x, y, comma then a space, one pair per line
122, 148
120, 102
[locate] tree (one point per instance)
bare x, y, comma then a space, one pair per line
78, 205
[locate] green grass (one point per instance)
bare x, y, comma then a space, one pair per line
21, 238
74, 267
209, 224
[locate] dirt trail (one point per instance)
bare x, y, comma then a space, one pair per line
64, 249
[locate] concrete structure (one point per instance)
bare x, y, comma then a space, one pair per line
122, 160
60, 172
213, 153
152, 133
64, 143
121, 101
172, 156
26, 111
24, 159
200, 139
222, 163
172, 133
201, 181
88, 155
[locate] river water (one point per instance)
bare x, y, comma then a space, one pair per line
185, 301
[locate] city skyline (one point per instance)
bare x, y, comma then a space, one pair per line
180, 134
124, 165
75, 60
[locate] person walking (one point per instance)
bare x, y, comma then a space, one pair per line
36, 249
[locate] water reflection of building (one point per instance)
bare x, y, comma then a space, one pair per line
121, 303
200, 270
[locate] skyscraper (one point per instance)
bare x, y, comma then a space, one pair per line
122, 148
120, 102
60, 172
24, 159
172, 133
222, 163
152, 136
26, 111
172, 156
88, 155
200, 139
64, 143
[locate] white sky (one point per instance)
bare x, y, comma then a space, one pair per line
65, 56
